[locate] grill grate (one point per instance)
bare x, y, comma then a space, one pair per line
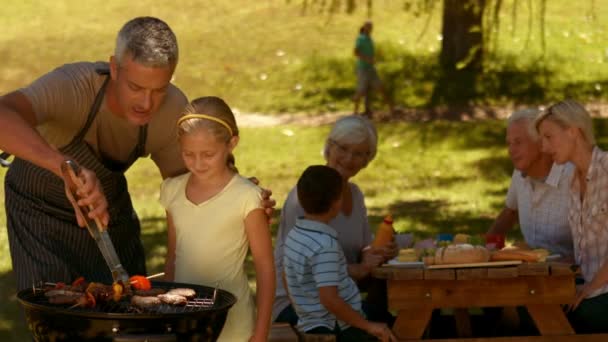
205, 300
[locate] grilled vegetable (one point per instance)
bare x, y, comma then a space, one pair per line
140, 282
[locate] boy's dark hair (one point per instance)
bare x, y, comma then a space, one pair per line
318, 187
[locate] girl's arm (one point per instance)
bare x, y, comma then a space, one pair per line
170, 259
260, 243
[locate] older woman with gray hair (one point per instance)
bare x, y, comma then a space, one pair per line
350, 146
566, 130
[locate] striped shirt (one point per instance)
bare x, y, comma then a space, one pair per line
542, 208
314, 259
589, 219
353, 235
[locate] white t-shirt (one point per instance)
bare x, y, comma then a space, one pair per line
542, 207
211, 244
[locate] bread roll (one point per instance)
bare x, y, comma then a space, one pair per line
407, 255
461, 254
462, 238
514, 253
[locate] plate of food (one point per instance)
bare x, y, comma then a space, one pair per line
406, 264
407, 257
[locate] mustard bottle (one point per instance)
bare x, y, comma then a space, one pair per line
385, 232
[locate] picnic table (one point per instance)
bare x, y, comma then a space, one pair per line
540, 287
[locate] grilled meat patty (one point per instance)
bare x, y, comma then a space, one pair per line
182, 291
173, 299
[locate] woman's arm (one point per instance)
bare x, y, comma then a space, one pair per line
170, 258
260, 243
370, 258
600, 279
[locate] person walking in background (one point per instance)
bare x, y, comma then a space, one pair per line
367, 75
325, 297
214, 215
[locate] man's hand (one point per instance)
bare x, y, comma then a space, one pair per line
267, 202
89, 195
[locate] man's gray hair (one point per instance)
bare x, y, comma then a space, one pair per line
353, 129
528, 115
149, 41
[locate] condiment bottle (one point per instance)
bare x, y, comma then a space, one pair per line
385, 232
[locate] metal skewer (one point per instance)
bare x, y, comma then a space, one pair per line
47, 283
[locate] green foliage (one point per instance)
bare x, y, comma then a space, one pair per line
273, 57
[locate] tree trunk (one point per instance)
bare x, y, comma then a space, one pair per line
461, 56
462, 44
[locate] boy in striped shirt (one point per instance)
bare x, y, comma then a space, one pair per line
325, 298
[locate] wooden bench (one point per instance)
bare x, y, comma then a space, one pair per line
283, 332
571, 338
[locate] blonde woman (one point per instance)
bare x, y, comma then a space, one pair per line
567, 135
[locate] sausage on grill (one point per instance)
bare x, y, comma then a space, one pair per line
182, 291
145, 302
63, 296
173, 299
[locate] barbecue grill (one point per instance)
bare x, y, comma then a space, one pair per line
201, 319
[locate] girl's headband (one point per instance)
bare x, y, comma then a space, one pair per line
205, 116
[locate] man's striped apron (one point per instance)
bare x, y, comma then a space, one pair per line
46, 243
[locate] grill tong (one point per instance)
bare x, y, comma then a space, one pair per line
71, 174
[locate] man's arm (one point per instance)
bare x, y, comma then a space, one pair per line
20, 138
504, 222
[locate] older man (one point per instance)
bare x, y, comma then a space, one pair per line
105, 116
538, 194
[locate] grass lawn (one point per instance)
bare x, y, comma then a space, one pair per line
273, 56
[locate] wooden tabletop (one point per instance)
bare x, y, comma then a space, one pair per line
541, 287
525, 269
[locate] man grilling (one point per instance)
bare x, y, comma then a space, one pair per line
104, 116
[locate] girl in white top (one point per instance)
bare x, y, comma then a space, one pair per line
214, 215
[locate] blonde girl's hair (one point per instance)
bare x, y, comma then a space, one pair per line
569, 113
214, 115
351, 130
